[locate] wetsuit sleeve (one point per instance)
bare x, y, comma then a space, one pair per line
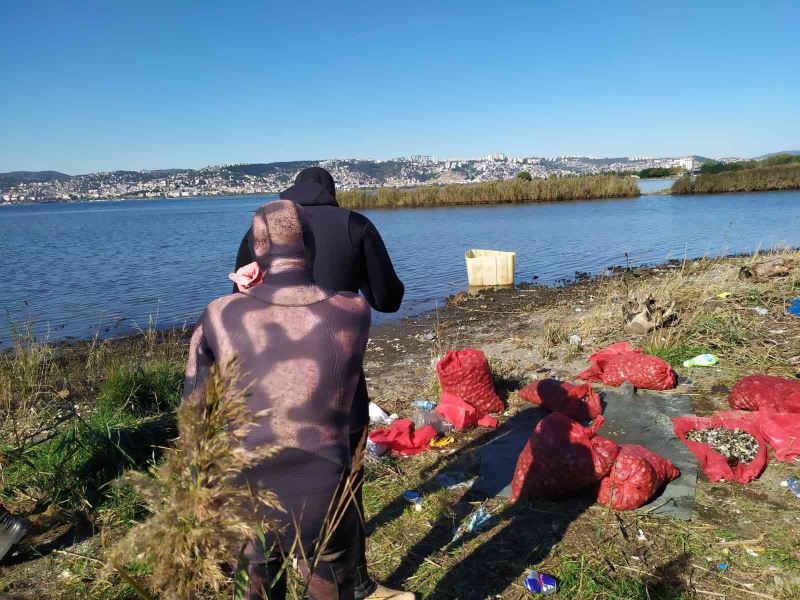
380, 286
243, 256
199, 362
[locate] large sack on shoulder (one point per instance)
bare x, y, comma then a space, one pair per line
580, 402
766, 392
466, 374
716, 466
782, 432
637, 474
561, 458
462, 415
619, 363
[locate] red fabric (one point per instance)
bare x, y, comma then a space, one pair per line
580, 402
462, 415
466, 374
400, 437
561, 458
757, 392
782, 432
638, 473
619, 363
714, 465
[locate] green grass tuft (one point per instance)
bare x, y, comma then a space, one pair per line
145, 389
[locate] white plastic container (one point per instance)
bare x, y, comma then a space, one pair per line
490, 267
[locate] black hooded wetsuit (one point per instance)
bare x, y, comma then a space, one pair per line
346, 254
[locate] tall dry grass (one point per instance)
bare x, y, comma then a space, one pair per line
512, 191
201, 514
780, 177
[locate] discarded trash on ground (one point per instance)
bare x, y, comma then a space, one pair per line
378, 416
794, 308
475, 522
442, 441
453, 480
761, 310
793, 483
424, 404
765, 270
413, 497
401, 437
642, 314
423, 418
541, 583
701, 360
12, 530
723, 295
375, 450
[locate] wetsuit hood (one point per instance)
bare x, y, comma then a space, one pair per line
312, 187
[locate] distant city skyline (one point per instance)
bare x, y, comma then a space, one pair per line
90, 87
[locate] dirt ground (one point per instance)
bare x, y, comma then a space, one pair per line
740, 543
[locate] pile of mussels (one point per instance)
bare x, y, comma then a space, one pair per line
734, 444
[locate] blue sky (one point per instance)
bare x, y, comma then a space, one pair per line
110, 85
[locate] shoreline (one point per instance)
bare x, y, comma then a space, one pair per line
525, 333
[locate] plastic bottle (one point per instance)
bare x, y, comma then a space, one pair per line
422, 418
374, 449
423, 404
541, 583
701, 360
793, 483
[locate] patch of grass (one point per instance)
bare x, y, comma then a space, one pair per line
675, 355
553, 334
588, 579
717, 331
144, 389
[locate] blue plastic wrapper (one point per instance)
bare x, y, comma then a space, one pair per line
540, 583
424, 404
794, 307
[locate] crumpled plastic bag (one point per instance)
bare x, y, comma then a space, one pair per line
637, 474
462, 415
714, 464
561, 458
619, 363
580, 402
400, 437
466, 374
766, 392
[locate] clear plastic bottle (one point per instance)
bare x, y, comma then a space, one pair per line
422, 418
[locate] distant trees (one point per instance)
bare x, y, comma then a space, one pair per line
511, 191
654, 172
524, 175
713, 167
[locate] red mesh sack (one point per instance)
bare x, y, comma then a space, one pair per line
400, 437
462, 415
561, 458
466, 374
714, 464
637, 474
782, 432
619, 363
757, 392
580, 402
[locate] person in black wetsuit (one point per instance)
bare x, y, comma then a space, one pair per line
346, 254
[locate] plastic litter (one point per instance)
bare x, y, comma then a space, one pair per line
793, 483
378, 416
12, 530
794, 308
413, 497
442, 441
475, 522
374, 449
723, 295
541, 583
453, 480
701, 360
423, 404
401, 437
761, 310
423, 418
575, 340
722, 566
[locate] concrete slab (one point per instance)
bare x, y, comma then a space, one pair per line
631, 418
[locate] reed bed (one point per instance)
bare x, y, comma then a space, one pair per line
512, 191
761, 179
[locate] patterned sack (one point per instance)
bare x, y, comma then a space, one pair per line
580, 402
466, 374
561, 458
766, 392
637, 474
619, 363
